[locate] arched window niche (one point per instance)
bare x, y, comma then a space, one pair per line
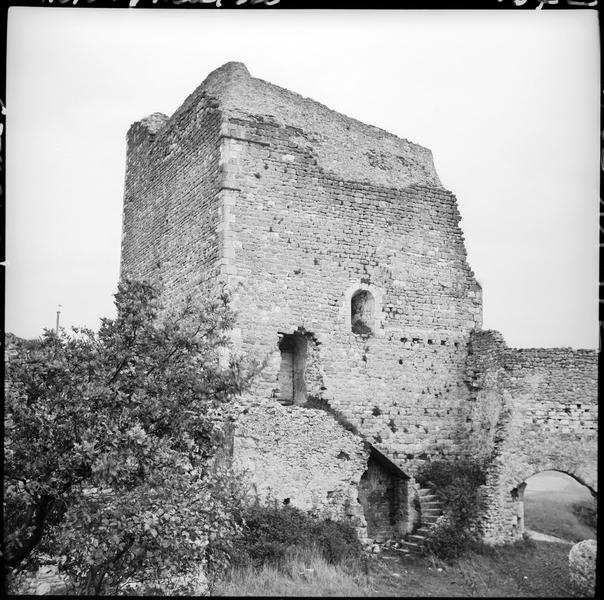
362, 310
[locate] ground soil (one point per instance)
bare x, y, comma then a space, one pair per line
536, 571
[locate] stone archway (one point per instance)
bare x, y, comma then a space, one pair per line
502, 497
586, 475
385, 493
517, 492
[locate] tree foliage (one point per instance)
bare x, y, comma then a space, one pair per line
109, 441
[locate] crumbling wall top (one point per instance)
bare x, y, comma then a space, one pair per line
342, 145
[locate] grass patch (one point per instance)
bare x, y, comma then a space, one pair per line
304, 573
272, 536
563, 514
526, 569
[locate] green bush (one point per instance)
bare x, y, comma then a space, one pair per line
270, 535
448, 542
457, 484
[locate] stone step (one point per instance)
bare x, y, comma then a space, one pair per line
425, 492
410, 546
434, 504
423, 531
431, 502
430, 498
432, 511
428, 519
416, 539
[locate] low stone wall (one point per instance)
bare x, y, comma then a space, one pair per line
582, 566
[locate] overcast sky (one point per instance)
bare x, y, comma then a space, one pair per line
506, 100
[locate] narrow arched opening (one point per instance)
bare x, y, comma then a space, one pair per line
362, 312
553, 503
292, 382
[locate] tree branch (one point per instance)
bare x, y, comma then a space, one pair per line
14, 557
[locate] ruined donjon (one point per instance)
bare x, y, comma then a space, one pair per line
348, 270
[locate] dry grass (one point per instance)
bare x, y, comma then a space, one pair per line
526, 569
306, 574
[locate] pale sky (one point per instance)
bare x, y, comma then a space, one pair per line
508, 102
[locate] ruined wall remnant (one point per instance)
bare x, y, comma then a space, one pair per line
529, 410
349, 273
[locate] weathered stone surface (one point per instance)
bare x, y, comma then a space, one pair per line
528, 411
582, 566
301, 457
348, 269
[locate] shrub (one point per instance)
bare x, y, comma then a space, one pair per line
457, 485
271, 535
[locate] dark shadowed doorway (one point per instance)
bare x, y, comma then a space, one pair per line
292, 386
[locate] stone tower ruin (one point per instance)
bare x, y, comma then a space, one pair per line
348, 270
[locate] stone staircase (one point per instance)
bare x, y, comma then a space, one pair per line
431, 509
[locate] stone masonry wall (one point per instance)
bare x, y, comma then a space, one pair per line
315, 216
172, 202
302, 457
297, 208
530, 410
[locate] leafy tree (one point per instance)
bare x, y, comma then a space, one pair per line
110, 439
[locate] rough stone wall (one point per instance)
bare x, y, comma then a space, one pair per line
313, 217
172, 217
301, 456
529, 410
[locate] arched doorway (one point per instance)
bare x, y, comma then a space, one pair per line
292, 383
384, 495
556, 504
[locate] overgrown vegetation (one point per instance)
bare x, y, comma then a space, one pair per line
110, 440
304, 573
456, 483
271, 535
280, 547
521, 570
